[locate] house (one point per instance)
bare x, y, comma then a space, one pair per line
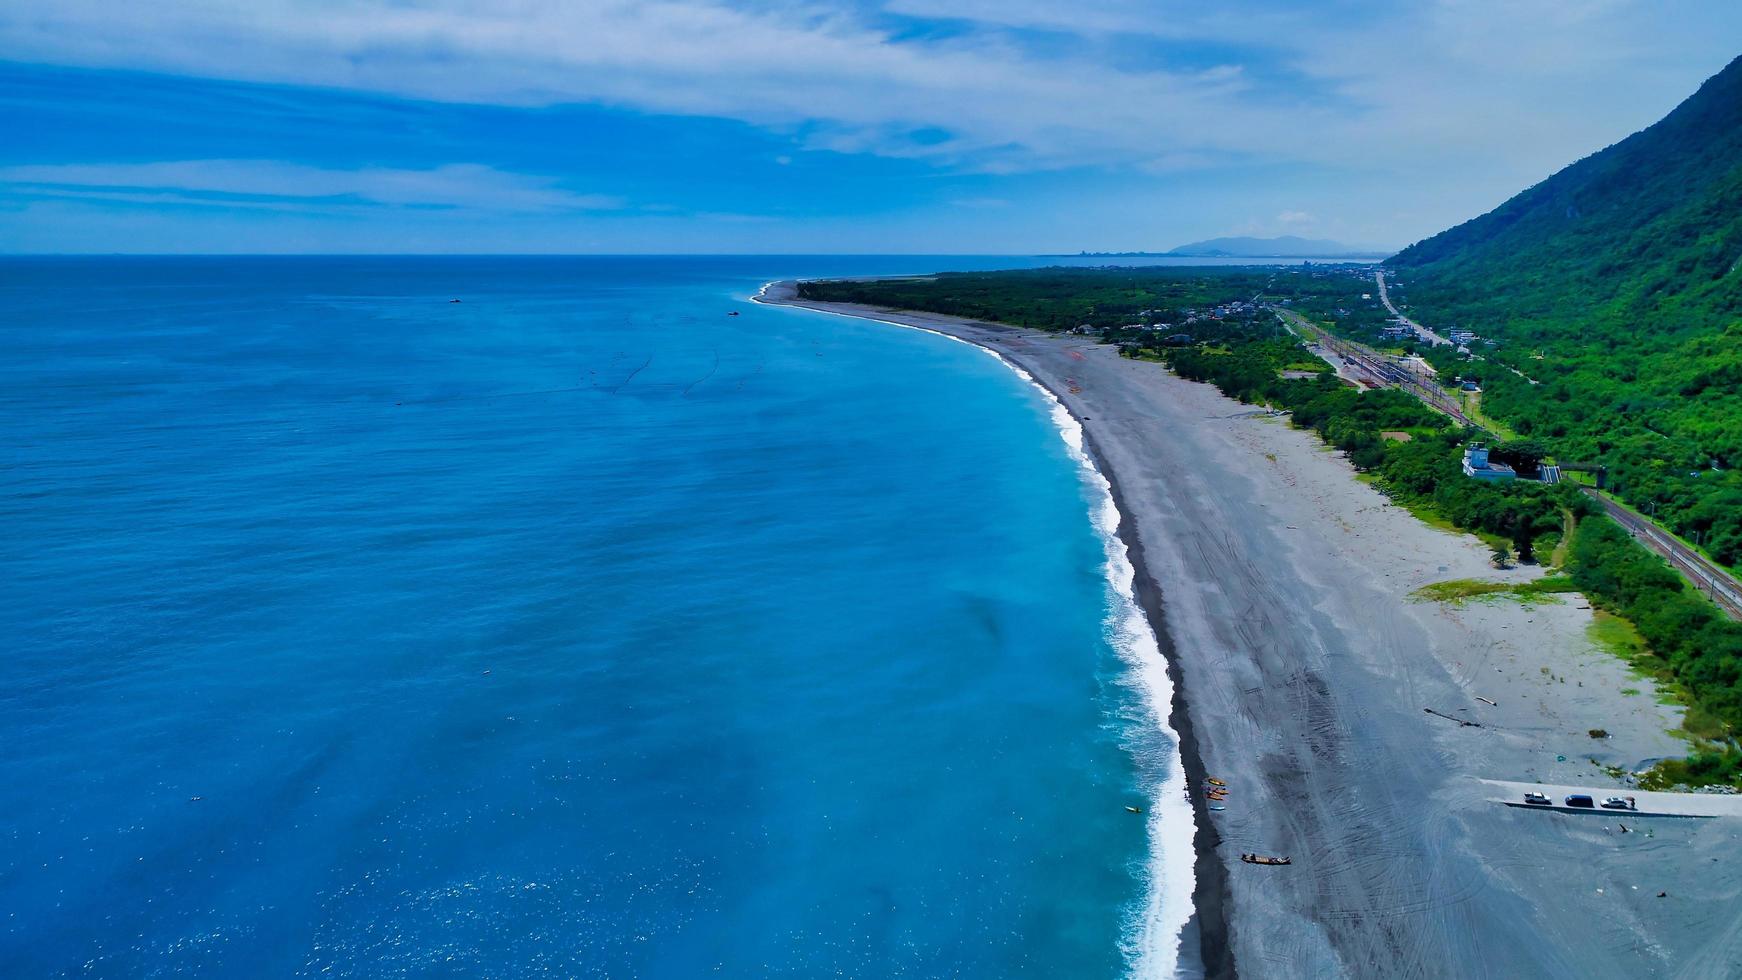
1478, 466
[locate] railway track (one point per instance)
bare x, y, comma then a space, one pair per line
1717, 584
1375, 370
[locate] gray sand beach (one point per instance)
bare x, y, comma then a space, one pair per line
1282, 588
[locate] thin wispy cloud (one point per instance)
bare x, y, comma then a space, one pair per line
230, 183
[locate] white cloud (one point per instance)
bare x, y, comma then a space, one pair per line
781, 67
274, 184
1514, 86
1294, 218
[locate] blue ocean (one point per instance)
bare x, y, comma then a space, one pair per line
575, 628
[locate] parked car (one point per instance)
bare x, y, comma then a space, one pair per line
1537, 799
1580, 799
1618, 803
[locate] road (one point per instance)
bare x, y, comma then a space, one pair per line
1717, 584
1424, 332
1385, 297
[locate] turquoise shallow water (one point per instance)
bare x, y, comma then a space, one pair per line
576, 628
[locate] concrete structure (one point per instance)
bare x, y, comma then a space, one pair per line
1477, 466
1650, 804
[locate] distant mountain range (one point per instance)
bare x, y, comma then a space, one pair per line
1287, 246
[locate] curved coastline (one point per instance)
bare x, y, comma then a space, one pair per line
1292, 598
1200, 938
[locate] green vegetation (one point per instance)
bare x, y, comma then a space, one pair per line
1235, 342
1459, 590
1062, 299
1701, 649
1616, 284
1704, 767
1617, 636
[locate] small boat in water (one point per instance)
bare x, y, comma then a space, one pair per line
1264, 859
1133, 809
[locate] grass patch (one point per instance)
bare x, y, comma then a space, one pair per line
1417, 509
1465, 589
1702, 724
1708, 765
1569, 524
1550, 585
1459, 589
1612, 634
1618, 637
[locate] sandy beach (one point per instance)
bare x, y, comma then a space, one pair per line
1282, 588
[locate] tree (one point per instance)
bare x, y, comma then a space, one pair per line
1523, 539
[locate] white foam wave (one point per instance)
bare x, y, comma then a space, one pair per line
1153, 937
1152, 941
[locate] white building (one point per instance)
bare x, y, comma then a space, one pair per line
1477, 466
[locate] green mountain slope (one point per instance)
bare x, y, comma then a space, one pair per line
1616, 286
1648, 228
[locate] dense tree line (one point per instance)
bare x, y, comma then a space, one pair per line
1055, 298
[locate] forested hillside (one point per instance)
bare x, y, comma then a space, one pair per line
1614, 290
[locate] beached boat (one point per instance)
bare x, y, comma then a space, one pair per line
1264, 859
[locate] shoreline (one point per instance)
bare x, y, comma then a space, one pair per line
1205, 934
1283, 593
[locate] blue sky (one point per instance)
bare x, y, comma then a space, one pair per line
832, 126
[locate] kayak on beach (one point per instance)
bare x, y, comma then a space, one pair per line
1263, 859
